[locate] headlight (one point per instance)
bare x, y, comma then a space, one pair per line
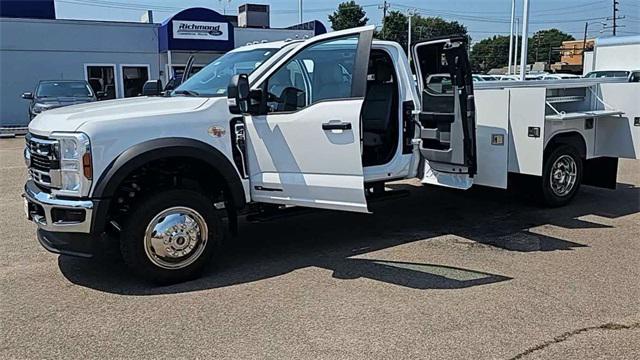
38, 108
76, 172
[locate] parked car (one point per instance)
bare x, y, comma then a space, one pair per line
559, 76
51, 94
482, 77
508, 77
631, 75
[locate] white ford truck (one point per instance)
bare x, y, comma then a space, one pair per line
320, 123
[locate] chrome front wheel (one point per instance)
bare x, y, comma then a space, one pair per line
171, 235
175, 238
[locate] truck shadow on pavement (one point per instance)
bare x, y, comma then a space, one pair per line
343, 242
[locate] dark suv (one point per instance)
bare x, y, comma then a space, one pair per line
50, 94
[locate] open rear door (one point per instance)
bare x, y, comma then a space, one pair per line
447, 118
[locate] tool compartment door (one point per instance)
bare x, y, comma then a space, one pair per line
619, 136
492, 116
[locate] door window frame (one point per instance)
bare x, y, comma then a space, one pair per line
115, 74
360, 67
307, 84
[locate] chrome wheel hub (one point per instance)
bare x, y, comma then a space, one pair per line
175, 238
563, 175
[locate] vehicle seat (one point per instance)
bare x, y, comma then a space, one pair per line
378, 103
330, 82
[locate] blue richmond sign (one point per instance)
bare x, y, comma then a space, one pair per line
196, 29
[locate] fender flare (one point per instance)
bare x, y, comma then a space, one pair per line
571, 137
156, 149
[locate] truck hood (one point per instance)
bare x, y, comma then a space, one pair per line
71, 118
52, 103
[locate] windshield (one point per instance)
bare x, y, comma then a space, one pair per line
608, 74
214, 78
65, 88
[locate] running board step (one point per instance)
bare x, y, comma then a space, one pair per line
280, 213
387, 195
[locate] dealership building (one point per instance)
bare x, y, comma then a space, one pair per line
116, 58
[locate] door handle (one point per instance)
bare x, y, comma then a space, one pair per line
336, 125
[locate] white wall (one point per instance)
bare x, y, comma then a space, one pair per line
618, 57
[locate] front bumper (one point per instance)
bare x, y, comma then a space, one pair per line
81, 234
49, 212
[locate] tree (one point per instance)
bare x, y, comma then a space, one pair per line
348, 15
395, 28
545, 44
431, 27
490, 53
493, 52
422, 28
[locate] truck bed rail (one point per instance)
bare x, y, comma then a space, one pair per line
549, 84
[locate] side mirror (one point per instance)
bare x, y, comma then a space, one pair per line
101, 94
152, 88
27, 96
238, 94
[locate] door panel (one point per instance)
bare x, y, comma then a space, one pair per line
448, 128
526, 112
305, 148
493, 137
293, 161
619, 136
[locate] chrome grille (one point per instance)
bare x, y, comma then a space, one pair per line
42, 159
41, 162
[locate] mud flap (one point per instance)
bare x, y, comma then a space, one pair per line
601, 172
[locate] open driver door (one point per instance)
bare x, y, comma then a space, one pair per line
447, 118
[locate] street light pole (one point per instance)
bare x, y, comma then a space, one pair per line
300, 11
513, 16
411, 13
515, 48
524, 55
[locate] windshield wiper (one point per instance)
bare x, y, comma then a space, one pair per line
187, 92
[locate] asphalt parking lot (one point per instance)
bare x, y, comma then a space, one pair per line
441, 274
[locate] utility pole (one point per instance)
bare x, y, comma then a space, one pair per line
615, 15
385, 6
524, 54
584, 42
614, 19
513, 15
224, 5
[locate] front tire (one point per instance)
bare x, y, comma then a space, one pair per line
170, 236
561, 176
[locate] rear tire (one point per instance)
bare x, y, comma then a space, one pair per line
170, 236
561, 176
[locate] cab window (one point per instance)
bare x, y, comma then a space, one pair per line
321, 72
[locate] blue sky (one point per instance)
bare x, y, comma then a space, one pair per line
483, 18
